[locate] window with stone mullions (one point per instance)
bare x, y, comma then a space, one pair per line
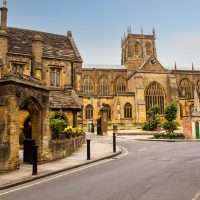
55, 77
88, 86
17, 68
89, 112
103, 86
128, 111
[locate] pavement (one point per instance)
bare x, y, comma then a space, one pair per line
101, 148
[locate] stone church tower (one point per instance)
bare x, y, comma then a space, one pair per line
137, 48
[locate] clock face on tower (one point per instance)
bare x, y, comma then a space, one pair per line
152, 62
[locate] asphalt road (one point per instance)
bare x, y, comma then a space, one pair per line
150, 171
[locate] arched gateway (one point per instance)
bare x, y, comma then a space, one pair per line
22, 92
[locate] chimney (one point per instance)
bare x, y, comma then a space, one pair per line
4, 12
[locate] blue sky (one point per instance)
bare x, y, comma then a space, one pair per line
97, 26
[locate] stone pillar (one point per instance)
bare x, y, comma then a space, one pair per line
104, 120
140, 105
74, 119
37, 51
9, 132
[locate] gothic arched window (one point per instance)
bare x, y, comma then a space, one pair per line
108, 111
198, 85
137, 48
89, 112
103, 87
148, 49
186, 89
120, 84
88, 85
154, 95
127, 111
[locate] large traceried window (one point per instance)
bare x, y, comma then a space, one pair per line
17, 67
127, 111
120, 84
55, 74
154, 95
148, 49
88, 85
89, 112
186, 89
103, 87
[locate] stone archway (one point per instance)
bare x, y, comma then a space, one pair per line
27, 128
18, 92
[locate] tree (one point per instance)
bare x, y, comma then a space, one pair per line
170, 115
153, 122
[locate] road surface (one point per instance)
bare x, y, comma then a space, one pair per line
145, 171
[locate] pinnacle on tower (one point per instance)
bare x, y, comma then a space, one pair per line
4, 4
129, 30
175, 67
154, 32
142, 30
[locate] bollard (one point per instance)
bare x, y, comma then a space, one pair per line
34, 170
114, 142
92, 127
88, 149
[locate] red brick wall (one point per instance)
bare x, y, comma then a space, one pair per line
187, 126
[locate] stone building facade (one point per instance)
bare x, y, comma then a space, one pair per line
43, 72
141, 81
39, 74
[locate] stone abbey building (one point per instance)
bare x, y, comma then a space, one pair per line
130, 89
43, 72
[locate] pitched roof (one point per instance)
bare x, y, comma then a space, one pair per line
54, 46
64, 100
97, 66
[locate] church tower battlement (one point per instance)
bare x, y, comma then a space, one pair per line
137, 48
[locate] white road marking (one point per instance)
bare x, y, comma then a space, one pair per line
197, 196
55, 177
123, 154
142, 149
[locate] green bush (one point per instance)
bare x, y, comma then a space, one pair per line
171, 112
21, 138
170, 115
151, 125
57, 124
169, 136
170, 125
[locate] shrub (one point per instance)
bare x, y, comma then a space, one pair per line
153, 122
170, 115
171, 112
21, 138
151, 125
170, 125
169, 136
70, 131
57, 123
